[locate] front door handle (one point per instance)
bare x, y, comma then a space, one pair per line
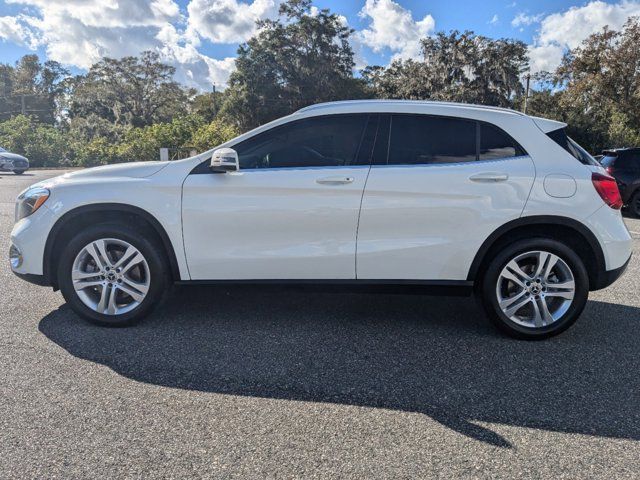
489, 177
337, 180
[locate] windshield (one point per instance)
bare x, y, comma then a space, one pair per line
608, 160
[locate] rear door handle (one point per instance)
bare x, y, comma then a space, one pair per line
489, 177
337, 180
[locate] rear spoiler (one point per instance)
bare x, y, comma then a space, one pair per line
547, 125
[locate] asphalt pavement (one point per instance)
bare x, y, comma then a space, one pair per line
266, 383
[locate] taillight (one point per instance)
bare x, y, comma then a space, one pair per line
607, 188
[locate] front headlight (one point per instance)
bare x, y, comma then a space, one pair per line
29, 201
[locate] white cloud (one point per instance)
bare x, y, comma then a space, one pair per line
566, 30
192, 67
393, 27
80, 32
522, 19
228, 21
12, 30
494, 20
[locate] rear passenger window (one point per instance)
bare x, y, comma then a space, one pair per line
496, 143
420, 139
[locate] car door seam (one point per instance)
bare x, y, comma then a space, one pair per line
533, 184
364, 189
184, 245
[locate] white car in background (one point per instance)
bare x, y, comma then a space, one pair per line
12, 162
444, 197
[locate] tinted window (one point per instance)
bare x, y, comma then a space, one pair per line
608, 160
314, 142
560, 137
496, 143
420, 139
627, 161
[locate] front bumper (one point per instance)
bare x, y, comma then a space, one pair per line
32, 278
29, 237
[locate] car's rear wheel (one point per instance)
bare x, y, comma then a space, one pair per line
113, 274
634, 204
534, 289
18, 172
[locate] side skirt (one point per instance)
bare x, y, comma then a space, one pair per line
456, 288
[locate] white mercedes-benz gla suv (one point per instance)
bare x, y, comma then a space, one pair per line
438, 197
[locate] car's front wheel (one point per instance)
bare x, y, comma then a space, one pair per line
18, 172
535, 288
112, 274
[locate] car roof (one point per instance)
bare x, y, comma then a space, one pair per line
621, 150
464, 110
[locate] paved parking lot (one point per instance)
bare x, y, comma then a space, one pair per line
266, 383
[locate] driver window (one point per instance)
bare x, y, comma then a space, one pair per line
313, 142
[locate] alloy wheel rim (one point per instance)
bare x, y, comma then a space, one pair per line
111, 276
535, 289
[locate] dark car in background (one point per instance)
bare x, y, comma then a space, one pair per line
12, 162
623, 164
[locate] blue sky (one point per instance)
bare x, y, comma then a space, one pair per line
200, 37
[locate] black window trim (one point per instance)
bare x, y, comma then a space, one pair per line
203, 168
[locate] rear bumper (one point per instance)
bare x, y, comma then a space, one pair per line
19, 166
606, 278
614, 237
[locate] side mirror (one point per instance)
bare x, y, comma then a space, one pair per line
225, 160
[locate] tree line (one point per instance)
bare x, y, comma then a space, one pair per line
127, 109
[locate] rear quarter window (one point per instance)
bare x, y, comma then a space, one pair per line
495, 144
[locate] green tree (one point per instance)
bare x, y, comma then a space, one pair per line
599, 87
459, 67
133, 91
44, 145
143, 144
208, 105
294, 61
32, 87
211, 135
596, 90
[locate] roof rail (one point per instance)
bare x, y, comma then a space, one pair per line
323, 105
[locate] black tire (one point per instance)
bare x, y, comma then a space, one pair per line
489, 282
140, 239
634, 204
19, 172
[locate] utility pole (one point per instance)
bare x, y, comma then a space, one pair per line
526, 95
214, 99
